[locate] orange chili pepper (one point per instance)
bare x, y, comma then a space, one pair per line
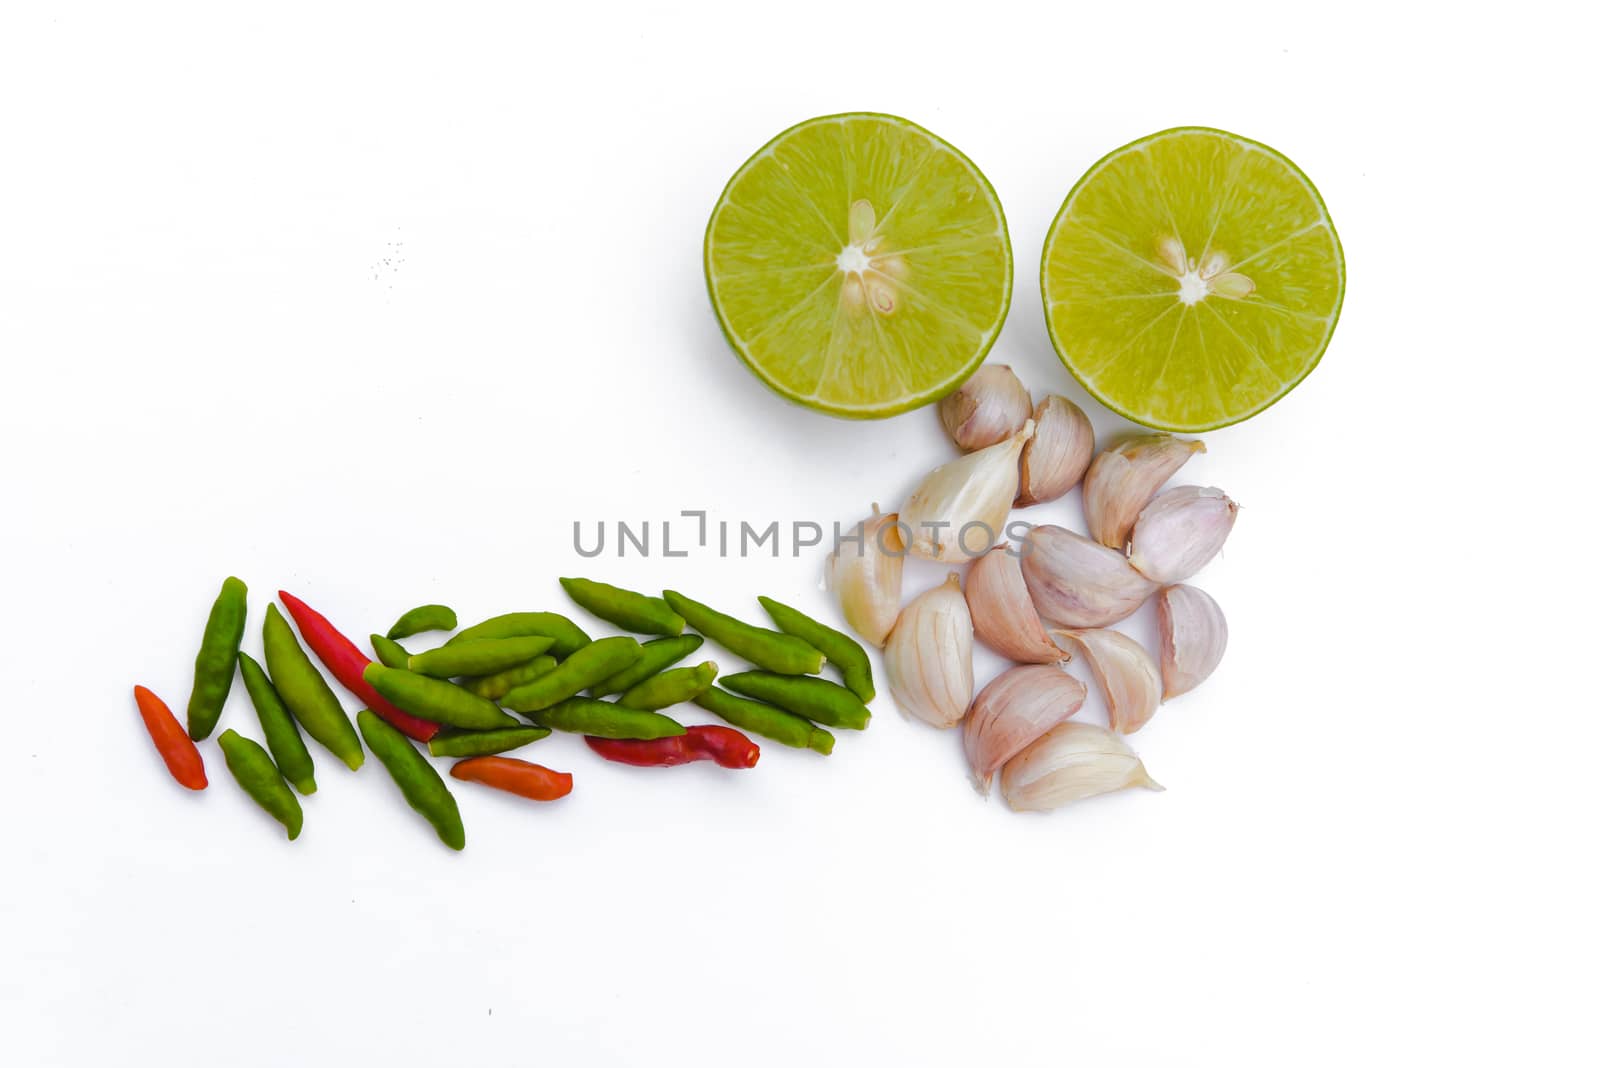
514, 776
172, 741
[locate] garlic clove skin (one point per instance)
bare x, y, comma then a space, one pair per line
1128, 676
929, 656
1180, 531
1194, 635
1075, 582
1124, 478
1070, 762
1055, 459
865, 575
960, 508
1013, 710
990, 407
1003, 616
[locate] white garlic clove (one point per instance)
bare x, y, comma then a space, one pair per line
1070, 762
1055, 459
989, 407
929, 656
1194, 636
960, 508
1128, 676
1003, 616
1124, 478
1017, 707
864, 573
1180, 531
1075, 582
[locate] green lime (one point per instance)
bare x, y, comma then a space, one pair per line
860, 265
1191, 279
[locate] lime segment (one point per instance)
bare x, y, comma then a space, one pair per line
1191, 279
859, 265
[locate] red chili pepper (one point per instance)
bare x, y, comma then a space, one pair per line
724, 745
514, 776
346, 662
172, 741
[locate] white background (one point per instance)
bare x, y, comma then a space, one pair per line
371, 303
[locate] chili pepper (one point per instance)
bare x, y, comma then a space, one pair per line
653, 656
585, 715
724, 745
213, 666
670, 687
782, 653
843, 651
390, 652
258, 776
533, 781
627, 609
765, 720
825, 702
501, 683
289, 750
589, 665
423, 617
346, 661
306, 692
478, 656
177, 749
421, 786
569, 637
437, 700
457, 743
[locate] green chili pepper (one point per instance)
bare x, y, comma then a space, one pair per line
213, 667
289, 750
843, 651
670, 687
501, 683
435, 699
815, 699
584, 668
423, 617
764, 648
454, 743
569, 637
627, 609
421, 786
654, 655
478, 656
603, 719
390, 652
765, 720
258, 776
306, 692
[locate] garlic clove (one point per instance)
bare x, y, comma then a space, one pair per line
1017, 707
1075, 582
1070, 762
990, 407
1180, 531
929, 656
1055, 459
1194, 636
959, 509
1124, 478
864, 572
1003, 616
1128, 676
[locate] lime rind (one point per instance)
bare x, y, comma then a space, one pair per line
1323, 221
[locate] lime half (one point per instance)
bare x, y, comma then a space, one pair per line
860, 265
1191, 279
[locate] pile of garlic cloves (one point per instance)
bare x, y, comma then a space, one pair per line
1037, 593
